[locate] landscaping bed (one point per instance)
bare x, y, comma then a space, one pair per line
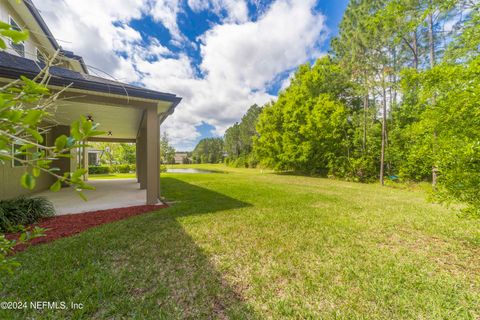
70, 224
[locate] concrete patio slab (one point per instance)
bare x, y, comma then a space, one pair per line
109, 194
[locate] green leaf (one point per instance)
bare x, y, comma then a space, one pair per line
81, 195
23, 237
93, 133
86, 127
28, 181
36, 172
14, 35
33, 117
60, 142
56, 186
88, 187
14, 115
45, 163
75, 130
24, 147
70, 142
78, 173
4, 25
35, 134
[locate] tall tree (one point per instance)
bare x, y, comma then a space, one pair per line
239, 139
208, 150
307, 128
167, 151
400, 95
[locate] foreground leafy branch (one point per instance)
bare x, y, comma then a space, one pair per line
25, 108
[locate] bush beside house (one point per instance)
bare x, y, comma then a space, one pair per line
23, 211
116, 168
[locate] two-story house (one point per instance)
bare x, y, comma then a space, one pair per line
126, 113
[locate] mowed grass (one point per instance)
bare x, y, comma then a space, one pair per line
111, 176
247, 244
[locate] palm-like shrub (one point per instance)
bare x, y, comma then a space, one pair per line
23, 211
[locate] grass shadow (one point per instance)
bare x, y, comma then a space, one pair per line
146, 267
190, 199
201, 170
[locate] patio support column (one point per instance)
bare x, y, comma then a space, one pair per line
142, 163
137, 167
152, 156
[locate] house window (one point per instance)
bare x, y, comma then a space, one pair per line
18, 47
41, 57
19, 155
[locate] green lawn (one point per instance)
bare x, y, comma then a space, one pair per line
111, 176
248, 244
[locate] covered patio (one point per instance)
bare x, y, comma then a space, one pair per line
125, 113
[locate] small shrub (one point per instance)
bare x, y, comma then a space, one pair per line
123, 168
23, 211
99, 170
252, 161
362, 170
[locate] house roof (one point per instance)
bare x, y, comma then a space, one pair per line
38, 18
12, 67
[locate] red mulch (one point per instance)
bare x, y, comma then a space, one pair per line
70, 224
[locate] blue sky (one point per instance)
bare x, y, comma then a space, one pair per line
221, 56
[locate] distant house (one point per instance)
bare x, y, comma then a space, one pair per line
181, 158
127, 113
94, 156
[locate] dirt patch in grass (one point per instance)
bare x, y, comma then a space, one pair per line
70, 224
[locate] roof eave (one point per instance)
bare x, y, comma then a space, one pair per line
38, 18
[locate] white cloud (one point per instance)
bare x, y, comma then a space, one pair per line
87, 28
239, 58
254, 52
166, 11
236, 10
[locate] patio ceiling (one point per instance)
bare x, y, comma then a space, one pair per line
123, 122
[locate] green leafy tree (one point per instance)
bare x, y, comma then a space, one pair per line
116, 153
233, 145
454, 118
239, 139
127, 153
465, 46
167, 151
390, 98
307, 129
208, 150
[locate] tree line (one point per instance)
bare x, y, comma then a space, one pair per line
397, 98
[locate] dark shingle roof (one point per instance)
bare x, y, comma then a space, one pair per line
13, 67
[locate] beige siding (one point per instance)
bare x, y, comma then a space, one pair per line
10, 186
10, 182
31, 44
